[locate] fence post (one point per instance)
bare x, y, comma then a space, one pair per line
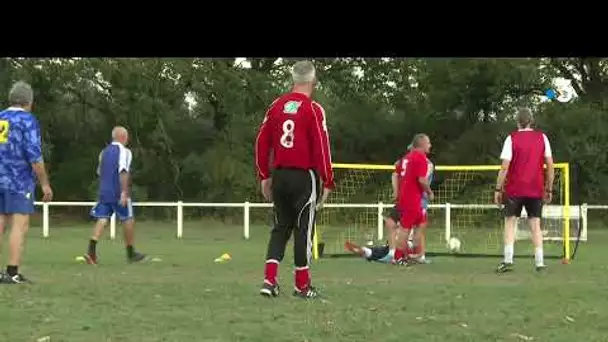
180, 219
583, 218
448, 222
113, 226
45, 220
380, 222
246, 221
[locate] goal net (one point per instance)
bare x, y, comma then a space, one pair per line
463, 208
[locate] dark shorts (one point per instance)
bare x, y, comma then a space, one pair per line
378, 252
16, 203
513, 206
393, 214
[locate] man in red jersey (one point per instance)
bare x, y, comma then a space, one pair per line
522, 174
413, 185
294, 129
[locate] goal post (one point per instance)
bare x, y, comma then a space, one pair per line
462, 208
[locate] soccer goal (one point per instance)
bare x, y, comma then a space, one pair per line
463, 208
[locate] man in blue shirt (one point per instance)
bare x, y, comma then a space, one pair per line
20, 164
114, 198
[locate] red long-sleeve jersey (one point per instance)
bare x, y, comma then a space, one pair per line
294, 130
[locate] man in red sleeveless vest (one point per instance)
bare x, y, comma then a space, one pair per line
524, 183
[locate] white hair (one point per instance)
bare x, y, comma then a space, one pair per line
303, 72
117, 131
21, 94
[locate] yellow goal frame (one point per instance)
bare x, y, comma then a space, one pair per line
565, 192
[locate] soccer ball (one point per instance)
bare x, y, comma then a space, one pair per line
454, 245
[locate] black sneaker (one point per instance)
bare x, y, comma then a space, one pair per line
540, 268
309, 293
268, 290
16, 279
504, 267
137, 257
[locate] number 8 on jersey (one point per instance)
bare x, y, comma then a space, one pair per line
287, 139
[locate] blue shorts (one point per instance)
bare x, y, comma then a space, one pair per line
12, 202
105, 210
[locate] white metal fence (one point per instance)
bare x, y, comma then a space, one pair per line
550, 211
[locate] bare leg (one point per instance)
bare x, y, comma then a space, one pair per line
509, 239
422, 241
98, 229
129, 231
391, 230
537, 240
2, 223
419, 241
20, 226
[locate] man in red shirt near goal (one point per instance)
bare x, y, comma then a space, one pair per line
413, 185
522, 179
295, 132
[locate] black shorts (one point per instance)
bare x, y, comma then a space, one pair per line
513, 206
393, 214
378, 252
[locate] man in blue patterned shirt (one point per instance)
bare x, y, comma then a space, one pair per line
21, 163
114, 196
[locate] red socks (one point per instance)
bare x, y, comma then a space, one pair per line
302, 278
270, 271
399, 254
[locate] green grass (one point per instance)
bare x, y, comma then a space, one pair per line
187, 297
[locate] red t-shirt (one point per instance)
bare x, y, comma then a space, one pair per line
413, 166
294, 131
526, 174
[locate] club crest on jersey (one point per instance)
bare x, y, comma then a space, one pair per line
291, 107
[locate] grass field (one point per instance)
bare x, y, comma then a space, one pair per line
187, 297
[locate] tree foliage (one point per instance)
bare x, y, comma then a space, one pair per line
193, 121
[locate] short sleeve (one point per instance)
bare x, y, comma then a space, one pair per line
32, 140
124, 160
548, 152
507, 149
398, 167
